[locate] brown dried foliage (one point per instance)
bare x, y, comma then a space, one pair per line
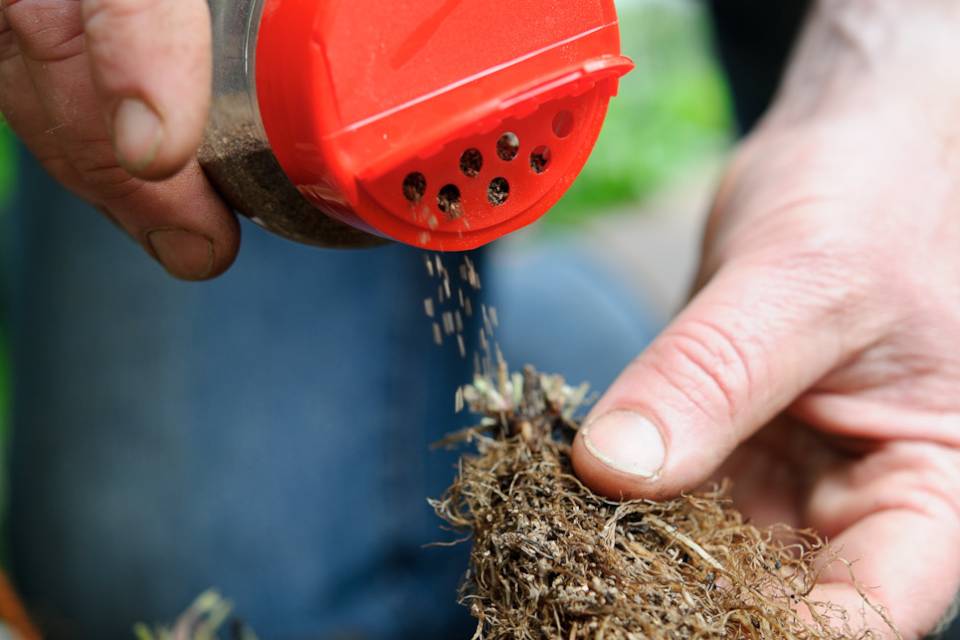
551, 559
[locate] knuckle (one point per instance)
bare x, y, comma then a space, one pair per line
110, 182
830, 283
92, 170
8, 41
46, 30
8, 47
822, 278
705, 363
108, 22
97, 167
98, 12
97, 184
937, 472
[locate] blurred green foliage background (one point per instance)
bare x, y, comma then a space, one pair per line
671, 110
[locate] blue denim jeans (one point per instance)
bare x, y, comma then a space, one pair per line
266, 433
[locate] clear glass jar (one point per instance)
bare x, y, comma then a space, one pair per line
235, 153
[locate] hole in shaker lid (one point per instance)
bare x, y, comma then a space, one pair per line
508, 146
471, 161
414, 186
448, 201
498, 191
540, 159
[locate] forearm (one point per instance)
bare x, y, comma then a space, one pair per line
876, 55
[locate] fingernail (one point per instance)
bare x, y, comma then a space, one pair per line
185, 254
626, 441
137, 133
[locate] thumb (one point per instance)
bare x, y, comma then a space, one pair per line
744, 348
151, 63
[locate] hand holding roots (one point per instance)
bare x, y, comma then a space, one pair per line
551, 559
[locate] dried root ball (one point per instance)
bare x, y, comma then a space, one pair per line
551, 559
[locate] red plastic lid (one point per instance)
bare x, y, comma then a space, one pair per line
443, 124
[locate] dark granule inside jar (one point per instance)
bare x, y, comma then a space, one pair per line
244, 170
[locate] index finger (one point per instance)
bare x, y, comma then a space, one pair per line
895, 515
151, 64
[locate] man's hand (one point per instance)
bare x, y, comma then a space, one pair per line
818, 365
112, 96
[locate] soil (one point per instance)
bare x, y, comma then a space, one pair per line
241, 166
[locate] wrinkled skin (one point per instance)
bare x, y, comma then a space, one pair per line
111, 96
818, 362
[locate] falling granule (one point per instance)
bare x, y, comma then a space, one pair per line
493, 316
451, 310
458, 400
485, 314
437, 334
238, 161
469, 273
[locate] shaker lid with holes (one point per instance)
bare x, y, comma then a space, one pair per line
443, 124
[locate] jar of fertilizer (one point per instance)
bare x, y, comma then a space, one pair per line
443, 124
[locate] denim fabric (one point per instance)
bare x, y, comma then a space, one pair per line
265, 433
562, 312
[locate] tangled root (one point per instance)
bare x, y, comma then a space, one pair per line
551, 559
